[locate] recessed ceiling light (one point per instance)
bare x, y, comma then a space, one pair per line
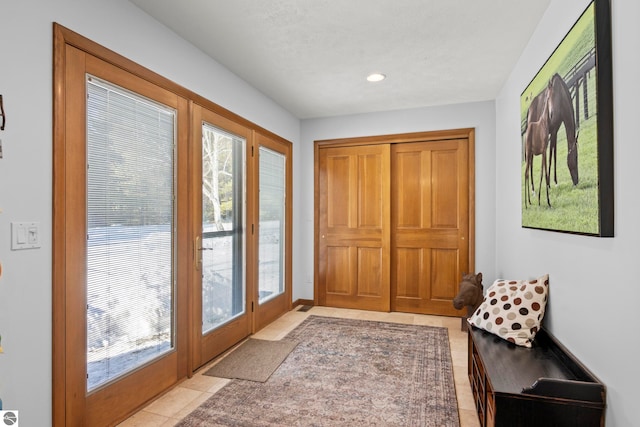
376, 77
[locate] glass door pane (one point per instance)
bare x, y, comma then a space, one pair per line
271, 278
223, 237
130, 238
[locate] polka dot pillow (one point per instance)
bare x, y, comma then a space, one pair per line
513, 309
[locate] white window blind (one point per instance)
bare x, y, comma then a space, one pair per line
130, 215
272, 224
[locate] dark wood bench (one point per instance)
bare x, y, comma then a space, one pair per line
540, 386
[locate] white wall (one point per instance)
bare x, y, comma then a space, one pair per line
475, 115
593, 299
26, 169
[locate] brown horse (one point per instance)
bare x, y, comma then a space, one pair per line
560, 112
470, 293
536, 141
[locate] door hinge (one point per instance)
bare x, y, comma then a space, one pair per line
252, 229
252, 306
252, 151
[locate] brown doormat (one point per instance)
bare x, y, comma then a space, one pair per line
253, 360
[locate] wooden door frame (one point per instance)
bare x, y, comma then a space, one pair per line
62, 413
467, 134
203, 348
274, 308
73, 57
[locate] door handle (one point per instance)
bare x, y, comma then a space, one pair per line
197, 253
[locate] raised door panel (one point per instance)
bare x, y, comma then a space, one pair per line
339, 280
338, 191
446, 261
370, 272
409, 272
410, 190
371, 183
444, 190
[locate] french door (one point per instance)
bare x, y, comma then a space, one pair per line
241, 228
172, 232
119, 214
222, 235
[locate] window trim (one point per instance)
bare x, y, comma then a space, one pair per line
64, 409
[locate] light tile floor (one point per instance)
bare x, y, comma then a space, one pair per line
189, 394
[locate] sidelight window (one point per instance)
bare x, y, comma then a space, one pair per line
130, 223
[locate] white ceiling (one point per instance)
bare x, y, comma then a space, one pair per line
312, 56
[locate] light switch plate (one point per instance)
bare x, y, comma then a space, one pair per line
25, 235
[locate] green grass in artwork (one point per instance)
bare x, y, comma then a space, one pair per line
573, 208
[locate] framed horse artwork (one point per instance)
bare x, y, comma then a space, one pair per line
566, 115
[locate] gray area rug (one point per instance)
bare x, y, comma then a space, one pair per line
253, 360
346, 373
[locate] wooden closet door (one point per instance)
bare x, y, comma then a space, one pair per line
353, 270
430, 225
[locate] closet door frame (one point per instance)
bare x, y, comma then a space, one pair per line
463, 133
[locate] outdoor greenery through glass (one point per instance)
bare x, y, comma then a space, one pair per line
223, 219
130, 207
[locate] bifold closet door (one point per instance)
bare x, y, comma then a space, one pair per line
353, 270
